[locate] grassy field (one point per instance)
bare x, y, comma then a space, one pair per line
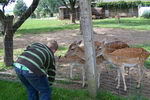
127, 23
17, 92
36, 26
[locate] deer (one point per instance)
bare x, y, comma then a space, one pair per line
76, 53
117, 17
125, 57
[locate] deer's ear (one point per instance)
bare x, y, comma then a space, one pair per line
104, 41
75, 42
79, 42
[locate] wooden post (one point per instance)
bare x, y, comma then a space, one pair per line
87, 30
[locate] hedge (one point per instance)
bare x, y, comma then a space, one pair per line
123, 4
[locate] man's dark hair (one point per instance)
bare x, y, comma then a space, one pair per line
53, 44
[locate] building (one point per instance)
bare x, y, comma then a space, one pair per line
121, 11
104, 12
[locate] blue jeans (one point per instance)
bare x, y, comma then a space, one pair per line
37, 86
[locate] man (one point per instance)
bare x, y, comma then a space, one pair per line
34, 67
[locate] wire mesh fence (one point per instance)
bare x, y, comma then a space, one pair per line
108, 83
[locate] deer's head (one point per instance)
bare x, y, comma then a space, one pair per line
75, 50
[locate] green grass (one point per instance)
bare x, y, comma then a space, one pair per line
15, 91
1, 52
127, 23
36, 26
12, 91
16, 51
61, 51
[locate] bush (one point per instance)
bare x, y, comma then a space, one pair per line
146, 14
123, 4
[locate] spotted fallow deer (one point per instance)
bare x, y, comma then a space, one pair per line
76, 53
125, 57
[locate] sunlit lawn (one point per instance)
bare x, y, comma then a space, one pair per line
15, 91
127, 23
35, 26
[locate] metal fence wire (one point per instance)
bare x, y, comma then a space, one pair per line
108, 80
108, 83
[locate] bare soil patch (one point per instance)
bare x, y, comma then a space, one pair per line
66, 37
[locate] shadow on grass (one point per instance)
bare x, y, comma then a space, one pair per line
47, 29
125, 23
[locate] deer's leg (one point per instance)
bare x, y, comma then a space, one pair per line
123, 77
71, 69
105, 66
118, 78
83, 75
140, 72
118, 74
127, 69
98, 76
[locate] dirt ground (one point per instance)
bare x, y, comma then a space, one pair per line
66, 37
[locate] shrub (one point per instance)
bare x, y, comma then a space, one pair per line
146, 14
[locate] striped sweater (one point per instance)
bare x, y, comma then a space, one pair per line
39, 59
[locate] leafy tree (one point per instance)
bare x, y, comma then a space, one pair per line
146, 14
10, 27
48, 7
70, 4
2, 1
19, 8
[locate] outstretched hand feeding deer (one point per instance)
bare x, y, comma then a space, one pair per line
125, 57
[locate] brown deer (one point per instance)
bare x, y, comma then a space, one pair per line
117, 17
76, 53
125, 57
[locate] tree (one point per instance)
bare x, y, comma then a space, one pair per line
10, 27
86, 24
19, 8
70, 5
48, 7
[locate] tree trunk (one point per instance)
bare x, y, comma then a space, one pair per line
81, 33
51, 15
73, 16
8, 41
86, 22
